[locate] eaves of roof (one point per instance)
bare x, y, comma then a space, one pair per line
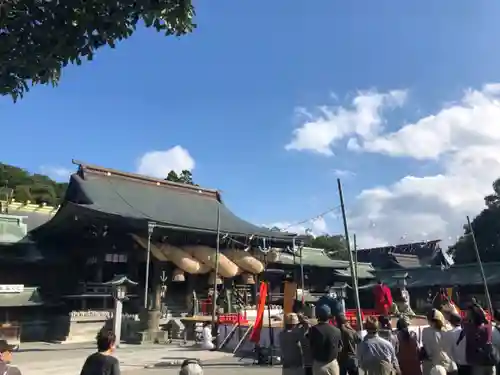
170, 205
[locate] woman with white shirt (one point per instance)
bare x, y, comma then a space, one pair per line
434, 346
455, 344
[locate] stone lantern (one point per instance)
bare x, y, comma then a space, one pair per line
119, 284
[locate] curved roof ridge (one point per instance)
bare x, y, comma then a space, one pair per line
85, 167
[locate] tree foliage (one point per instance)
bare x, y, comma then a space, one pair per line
486, 227
39, 38
335, 246
36, 188
185, 177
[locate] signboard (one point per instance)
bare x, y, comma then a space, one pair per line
11, 288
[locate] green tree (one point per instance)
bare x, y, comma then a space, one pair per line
486, 227
185, 177
172, 176
335, 246
36, 188
493, 200
39, 38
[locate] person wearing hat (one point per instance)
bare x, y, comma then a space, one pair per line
434, 346
326, 343
375, 354
291, 348
331, 300
5, 359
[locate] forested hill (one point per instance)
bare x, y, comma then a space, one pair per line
36, 188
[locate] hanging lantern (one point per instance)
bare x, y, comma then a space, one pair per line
178, 276
212, 279
247, 279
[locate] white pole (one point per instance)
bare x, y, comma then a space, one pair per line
117, 320
486, 291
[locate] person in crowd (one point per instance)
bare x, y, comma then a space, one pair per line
191, 367
455, 344
326, 343
434, 350
303, 329
348, 362
383, 298
102, 362
385, 331
408, 353
6, 368
480, 353
207, 340
330, 299
495, 336
375, 354
440, 299
290, 344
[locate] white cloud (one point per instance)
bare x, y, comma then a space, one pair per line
333, 123
59, 174
315, 227
160, 163
462, 140
344, 173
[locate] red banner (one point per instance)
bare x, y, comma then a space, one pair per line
259, 320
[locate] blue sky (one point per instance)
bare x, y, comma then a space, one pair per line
229, 93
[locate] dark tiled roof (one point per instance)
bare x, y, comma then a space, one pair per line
317, 258
407, 260
32, 219
467, 274
142, 199
28, 297
365, 271
407, 255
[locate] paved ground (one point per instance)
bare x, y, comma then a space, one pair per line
54, 359
217, 370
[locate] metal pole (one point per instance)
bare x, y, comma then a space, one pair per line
355, 258
217, 250
351, 262
302, 274
151, 228
476, 249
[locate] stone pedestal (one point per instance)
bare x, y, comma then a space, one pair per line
150, 329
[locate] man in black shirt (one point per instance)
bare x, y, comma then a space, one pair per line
5, 358
326, 343
102, 362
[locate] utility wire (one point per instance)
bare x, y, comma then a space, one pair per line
316, 217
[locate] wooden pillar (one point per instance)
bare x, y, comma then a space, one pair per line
156, 285
290, 292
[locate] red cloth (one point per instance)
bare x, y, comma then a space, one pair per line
388, 294
383, 299
259, 320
